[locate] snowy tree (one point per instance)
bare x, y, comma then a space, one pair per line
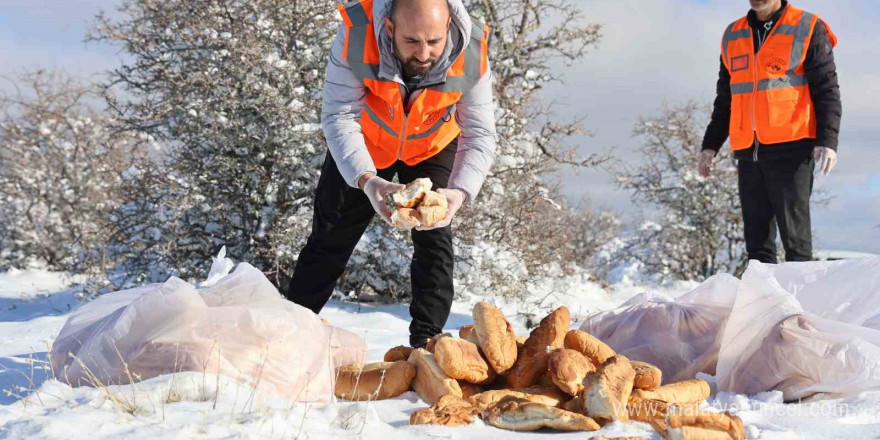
61, 165
519, 209
699, 230
232, 88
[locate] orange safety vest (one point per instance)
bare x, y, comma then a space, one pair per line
390, 133
770, 97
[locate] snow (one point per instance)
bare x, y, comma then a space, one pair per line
34, 305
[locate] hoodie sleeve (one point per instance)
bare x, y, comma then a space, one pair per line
821, 74
475, 114
343, 103
719, 125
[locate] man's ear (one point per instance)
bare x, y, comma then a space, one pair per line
389, 26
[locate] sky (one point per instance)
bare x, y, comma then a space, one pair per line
652, 52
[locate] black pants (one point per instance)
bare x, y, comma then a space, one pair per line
777, 193
342, 214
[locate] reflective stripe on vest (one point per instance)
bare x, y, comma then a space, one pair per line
800, 32
770, 96
429, 123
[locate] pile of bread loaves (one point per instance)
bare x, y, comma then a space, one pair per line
417, 205
557, 378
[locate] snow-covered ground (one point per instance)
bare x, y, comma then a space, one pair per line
35, 304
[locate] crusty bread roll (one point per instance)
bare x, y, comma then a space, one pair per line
411, 195
607, 390
469, 333
533, 360
588, 345
541, 394
568, 368
460, 359
434, 198
375, 381
648, 376
431, 215
700, 426
406, 218
448, 411
495, 336
687, 391
530, 416
468, 389
433, 208
399, 353
433, 341
431, 383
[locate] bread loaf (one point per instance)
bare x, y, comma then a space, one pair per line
399, 353
375, 381
460, 359
405, 218
607, 390
431, 383
568, 368
648, 376
413, 194
495, 336
687, 391
530, 416
588, 345
448, 411
533, 360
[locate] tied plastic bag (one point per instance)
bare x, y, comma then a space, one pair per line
804, 329
239, 327
681, 336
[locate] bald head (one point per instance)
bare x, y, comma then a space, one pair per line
419, 30
437, 9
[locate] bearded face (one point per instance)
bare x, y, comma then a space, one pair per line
412, 64
419, 32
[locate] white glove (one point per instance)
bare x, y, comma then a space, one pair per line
377, 190
454, 199
825, 159
706, 157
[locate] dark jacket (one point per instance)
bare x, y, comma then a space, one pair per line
821, 74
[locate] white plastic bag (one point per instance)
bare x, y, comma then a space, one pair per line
239, 327
804, 329
681, 336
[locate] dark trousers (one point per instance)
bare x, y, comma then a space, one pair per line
342, 214
775, 193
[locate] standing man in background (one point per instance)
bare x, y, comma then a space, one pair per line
408, 92
779, 101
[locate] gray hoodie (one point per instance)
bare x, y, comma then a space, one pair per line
343, 103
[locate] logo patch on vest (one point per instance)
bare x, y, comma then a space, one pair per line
739, 63
433, 117
776, 66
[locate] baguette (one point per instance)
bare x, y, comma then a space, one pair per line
430, 382
535, 356
495, 336
375, 381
